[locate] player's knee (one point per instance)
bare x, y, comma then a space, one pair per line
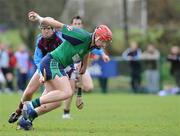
69, 93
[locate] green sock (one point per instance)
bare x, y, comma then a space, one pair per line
36, 102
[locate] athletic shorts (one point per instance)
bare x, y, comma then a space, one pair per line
70, 71
51, 67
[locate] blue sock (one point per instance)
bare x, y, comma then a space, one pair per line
33, 114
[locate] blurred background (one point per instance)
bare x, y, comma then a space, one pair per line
139, 23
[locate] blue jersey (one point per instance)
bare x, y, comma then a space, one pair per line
99, 52
44, 45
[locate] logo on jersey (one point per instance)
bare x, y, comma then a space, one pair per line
76, 58
69, 28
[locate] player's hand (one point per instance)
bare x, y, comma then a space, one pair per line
33, 16
82, 70
105, 58
42, 78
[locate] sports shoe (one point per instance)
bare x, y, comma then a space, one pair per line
66, 116
79, 102
24, 124
14, 117
28, 109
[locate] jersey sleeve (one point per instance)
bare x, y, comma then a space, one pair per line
75, 35
66, 28
38, 55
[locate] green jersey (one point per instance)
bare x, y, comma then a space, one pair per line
75, 46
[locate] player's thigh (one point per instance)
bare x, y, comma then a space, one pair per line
55, 74
44, 108
48, 88
62, 84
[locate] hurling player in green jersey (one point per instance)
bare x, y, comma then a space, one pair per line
83, 83
76, 47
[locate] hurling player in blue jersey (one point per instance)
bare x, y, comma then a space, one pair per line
48, 40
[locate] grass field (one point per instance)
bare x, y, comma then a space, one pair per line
103, 115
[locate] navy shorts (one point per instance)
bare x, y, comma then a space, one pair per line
51, 67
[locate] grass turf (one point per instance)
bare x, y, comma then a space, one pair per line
103, 115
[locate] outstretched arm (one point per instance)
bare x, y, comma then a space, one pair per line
34, 17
